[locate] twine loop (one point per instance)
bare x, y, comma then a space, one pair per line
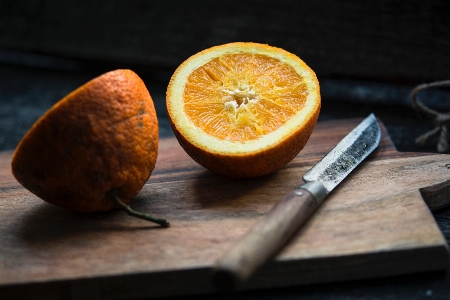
442, 120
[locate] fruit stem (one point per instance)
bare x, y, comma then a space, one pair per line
113, 195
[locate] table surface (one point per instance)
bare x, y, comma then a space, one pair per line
27, 91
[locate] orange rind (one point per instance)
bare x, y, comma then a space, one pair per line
243, 109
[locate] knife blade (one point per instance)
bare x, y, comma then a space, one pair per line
286, 218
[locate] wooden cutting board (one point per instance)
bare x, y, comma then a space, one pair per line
374, 224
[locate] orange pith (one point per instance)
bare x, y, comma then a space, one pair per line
243, 109
241, 97
101, 137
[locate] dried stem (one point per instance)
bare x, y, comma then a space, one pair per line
113, 195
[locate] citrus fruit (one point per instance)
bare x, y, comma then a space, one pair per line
243, 109
95, 148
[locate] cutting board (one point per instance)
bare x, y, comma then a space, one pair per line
374, 224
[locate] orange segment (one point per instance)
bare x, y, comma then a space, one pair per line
243, 109
244, 96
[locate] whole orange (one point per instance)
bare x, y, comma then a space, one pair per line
100, 140
243, 109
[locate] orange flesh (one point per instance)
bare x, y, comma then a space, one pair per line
241, 97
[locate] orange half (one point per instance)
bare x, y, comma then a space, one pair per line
243, 109
102, 137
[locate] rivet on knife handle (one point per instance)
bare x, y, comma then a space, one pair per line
263, 242
265, 239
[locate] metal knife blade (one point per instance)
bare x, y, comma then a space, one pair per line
348, 154
268, 237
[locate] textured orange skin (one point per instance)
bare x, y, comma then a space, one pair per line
103, 136
252, 164
249, 165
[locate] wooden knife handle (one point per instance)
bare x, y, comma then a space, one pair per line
265, 240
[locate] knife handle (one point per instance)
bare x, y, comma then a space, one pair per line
267, 238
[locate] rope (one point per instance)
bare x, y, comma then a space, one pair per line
442, 120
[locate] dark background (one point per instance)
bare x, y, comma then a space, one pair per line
368, 56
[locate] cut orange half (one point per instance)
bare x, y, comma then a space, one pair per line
100, 138
243, 109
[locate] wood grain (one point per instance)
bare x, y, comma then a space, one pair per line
264, 241
376, 224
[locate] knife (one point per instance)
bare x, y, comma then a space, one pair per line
285, 219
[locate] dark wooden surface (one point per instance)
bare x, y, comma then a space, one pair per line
387, 40
360, 231
26, 92
264, 241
